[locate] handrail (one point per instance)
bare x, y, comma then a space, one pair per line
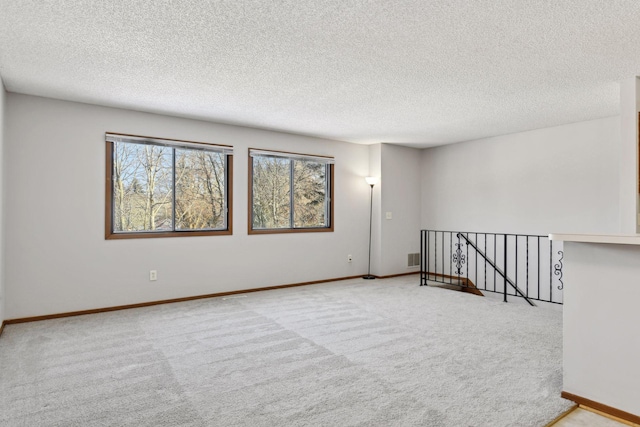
497, 269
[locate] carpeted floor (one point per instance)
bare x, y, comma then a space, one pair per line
349, 353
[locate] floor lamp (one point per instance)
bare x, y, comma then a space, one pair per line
371, 180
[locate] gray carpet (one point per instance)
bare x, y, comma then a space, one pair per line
350, 353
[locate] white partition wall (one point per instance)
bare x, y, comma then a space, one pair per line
601, 345
400, 208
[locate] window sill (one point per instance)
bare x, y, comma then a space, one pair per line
152, 235
291, 230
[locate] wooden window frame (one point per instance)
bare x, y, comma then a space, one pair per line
330, 210
111, 235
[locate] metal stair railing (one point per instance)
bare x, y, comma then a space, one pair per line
525, 266
498, 270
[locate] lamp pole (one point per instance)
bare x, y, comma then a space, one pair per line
371, 180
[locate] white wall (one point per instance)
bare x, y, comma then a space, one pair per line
57, 259
601, 345
2, 204
559, 179
628, 155
401, 197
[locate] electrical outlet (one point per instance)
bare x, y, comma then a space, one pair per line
153, 275
349, 258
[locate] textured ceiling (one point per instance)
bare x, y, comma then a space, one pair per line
414, 72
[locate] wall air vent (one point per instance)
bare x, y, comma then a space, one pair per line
413, 260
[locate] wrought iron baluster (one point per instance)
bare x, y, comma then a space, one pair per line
476, 263
443, 254
422, 252
427, 260
550, 269
495, 246
516, 278
505, 268
485, 262
467, 270
450, 252
435, 252
527, 266
539, 264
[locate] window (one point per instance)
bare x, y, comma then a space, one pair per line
161, 188
289, 192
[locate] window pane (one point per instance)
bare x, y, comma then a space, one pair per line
309, 196
142, 182
200, 199
271, 192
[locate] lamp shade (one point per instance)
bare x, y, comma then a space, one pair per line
371, 180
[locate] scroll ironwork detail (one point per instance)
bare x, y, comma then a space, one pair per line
459, 258
557, 270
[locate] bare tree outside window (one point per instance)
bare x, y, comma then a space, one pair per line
309, 194
157, 190
142, 187
199, 190
290, 193
271, 192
